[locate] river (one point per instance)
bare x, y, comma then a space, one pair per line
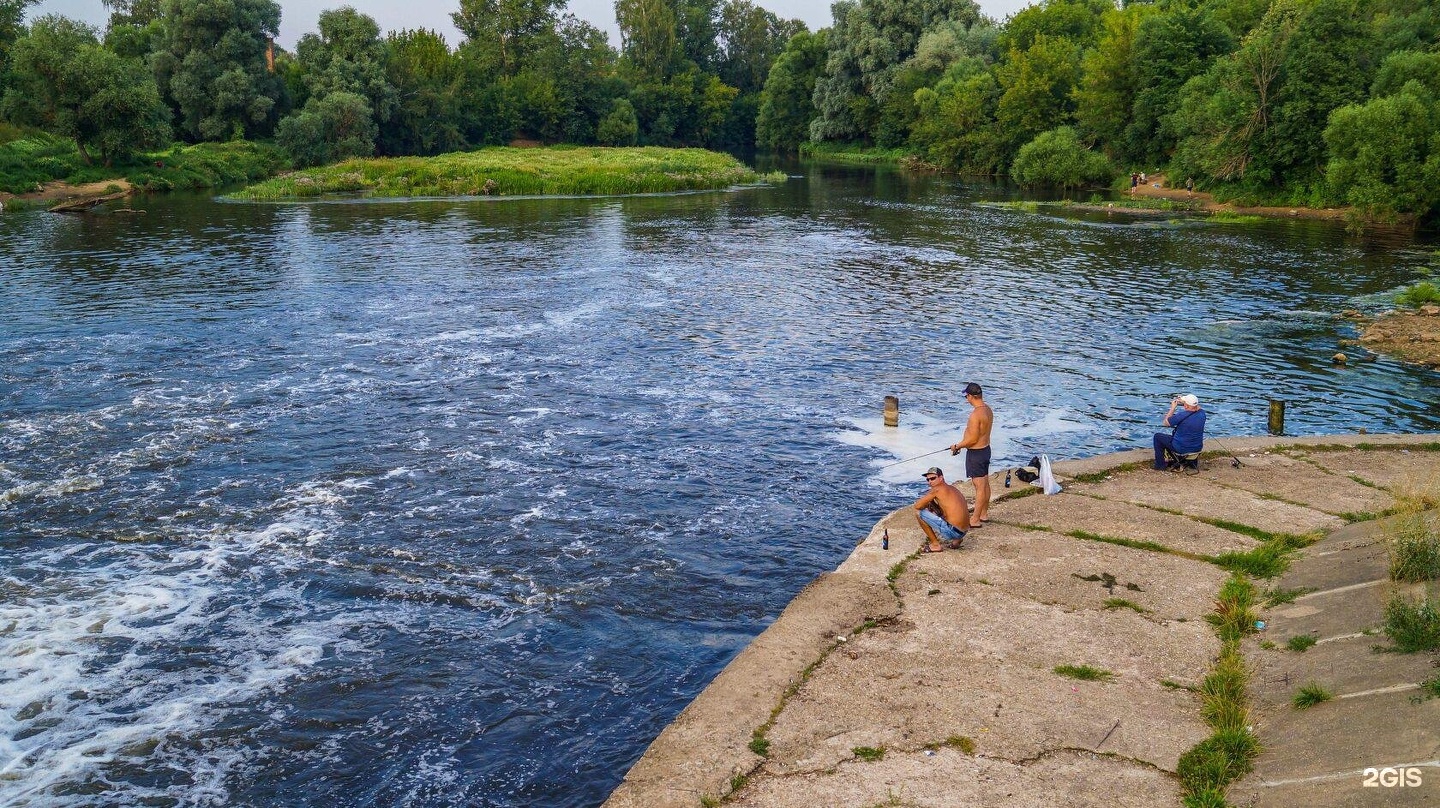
460, 502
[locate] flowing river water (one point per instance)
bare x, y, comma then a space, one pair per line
459, 503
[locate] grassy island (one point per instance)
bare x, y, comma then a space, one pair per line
505, 171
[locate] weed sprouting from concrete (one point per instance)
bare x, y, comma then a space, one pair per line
1208, 767
1431, 687
1414, 544
1085, 673
1173, 685
1121, 603
1310, 695
1413, 625
1234, 614
1134, 544
869, 754
1279, 597
1301, 643
760, 745
1268, 646
964, 744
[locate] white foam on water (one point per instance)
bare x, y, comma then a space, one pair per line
83, 697
922, 441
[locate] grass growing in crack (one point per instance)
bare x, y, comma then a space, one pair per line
1234, 614
1413, 625
759, 744
1101, 476
1270, 559
1084, 673
1122, 603
1173, 685
869, 754
1208, 767
1279, 597
964, 744
1134, 544
1300, 643
1414, 544
1310, 695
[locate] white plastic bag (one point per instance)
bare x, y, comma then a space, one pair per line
1047, 477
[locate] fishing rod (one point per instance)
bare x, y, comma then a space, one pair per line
916, 457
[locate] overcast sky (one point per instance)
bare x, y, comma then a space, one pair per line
299, 16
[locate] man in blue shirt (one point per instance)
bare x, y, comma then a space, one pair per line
1189, 429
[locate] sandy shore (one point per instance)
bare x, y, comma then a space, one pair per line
934, 680
59, 191
1157, 186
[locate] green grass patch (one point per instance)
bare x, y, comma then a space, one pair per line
1084, 673
852, 153
1301, 643
759, 744
1310, 695
1279, 597
1414, 544
1234, 615
1412, 625
869, 754
38, 158
1122, 603
1419, 294
1231, 217
1270, 559
1170, 684
506, 171
1431, 687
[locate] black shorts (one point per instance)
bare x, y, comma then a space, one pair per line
977, 462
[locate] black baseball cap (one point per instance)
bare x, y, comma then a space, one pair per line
933, 470
973, 389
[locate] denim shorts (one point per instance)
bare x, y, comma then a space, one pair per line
943, 529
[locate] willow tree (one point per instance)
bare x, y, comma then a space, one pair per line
211, 65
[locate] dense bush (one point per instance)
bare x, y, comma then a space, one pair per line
1057, 158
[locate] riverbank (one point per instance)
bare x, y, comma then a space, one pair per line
509, 171
1064, 655
1157, 186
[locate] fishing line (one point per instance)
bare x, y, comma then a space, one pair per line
916, 457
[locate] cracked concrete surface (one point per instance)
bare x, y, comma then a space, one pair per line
950, 668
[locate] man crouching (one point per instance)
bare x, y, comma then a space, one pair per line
943, 513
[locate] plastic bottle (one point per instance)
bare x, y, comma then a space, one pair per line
1007, 478
885, 540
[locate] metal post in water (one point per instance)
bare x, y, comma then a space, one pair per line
892, 411
1277, 417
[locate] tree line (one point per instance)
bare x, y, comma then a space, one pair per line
1302, 102
688, 72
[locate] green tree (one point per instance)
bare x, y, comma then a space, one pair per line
347, 56
426, 76
72, 87
647, 36
1385, 153
1170, 49
335, 127
620, 127
1402, 67
506, 30
1105, 96
1057, 158
12, 27
211, 66
783, 120
1079, 21
1038, 84
957, 127
869, 43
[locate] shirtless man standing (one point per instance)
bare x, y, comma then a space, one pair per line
942, 512
976, 442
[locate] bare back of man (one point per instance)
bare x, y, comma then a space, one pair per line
976, 441
952, 508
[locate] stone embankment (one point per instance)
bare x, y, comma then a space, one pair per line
941, 679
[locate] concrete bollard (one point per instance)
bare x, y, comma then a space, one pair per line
892, 411
1277, 417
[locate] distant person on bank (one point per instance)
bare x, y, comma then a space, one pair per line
1188, 430
976, 443
943, 513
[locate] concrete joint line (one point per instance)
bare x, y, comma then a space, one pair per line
1379, 691
1343, 637
1339, 589
1321, 778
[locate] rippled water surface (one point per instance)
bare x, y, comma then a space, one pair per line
460, 503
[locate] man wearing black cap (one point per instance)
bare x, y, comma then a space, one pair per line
976, 443
943, 514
